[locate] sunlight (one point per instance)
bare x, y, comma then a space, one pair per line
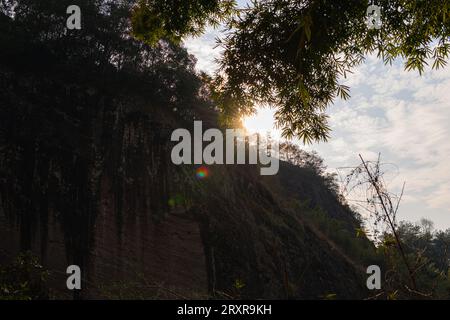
261, 122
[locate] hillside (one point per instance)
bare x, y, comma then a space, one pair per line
86, 177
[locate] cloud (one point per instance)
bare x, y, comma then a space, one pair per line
205, 50
403, 116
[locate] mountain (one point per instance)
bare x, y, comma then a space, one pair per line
86, 177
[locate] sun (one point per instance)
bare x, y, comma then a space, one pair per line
261, 122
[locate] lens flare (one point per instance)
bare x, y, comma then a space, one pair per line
202, 173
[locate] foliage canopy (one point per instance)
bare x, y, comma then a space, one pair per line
293, 54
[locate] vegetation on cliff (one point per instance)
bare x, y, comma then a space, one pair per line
85, 123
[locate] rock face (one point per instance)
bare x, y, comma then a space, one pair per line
93, 190
87, 180
161, 259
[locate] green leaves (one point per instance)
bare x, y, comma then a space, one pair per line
23, 279
153, 20
343, 91
417, 60
360, 233
329, 296
440, 52
238, 284
148, 27
293, 55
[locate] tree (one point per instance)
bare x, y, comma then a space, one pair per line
292, 54
429, 256
174, 19
68, 101
292, 153
413, 266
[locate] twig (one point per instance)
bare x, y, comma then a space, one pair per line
391, 223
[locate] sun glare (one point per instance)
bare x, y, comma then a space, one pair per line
261, 122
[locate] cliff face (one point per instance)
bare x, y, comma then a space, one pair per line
86, 179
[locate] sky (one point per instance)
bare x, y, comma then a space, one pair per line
400, 114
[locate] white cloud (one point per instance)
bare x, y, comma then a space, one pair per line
399, 114
205, 50
407, 119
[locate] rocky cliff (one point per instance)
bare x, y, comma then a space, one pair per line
86, 179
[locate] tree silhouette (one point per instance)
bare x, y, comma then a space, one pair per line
293, 54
